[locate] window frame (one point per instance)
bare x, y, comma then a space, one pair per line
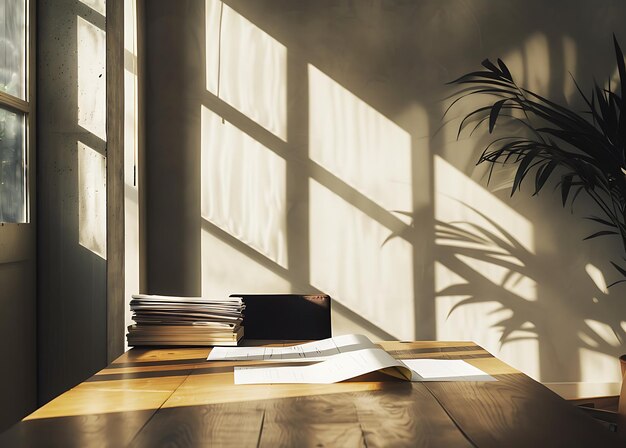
27, 108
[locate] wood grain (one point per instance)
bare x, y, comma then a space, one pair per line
516, 411
327, 420
81, 431
406, 416
174, 397
215, 426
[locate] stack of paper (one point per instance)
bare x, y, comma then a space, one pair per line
170, 320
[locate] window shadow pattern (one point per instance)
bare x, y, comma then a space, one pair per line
395, 57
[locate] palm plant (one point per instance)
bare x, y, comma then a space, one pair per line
583, 151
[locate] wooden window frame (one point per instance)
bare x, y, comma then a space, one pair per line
27, 107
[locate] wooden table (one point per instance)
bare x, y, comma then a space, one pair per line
173, 397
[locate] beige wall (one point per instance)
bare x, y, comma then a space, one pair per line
71, 239
300, 148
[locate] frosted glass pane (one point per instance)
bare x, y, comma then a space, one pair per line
12, 167
13, 47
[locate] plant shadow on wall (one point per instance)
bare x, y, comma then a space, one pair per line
338, 92
580, 153
492, 267
485, 272
464, 245
553, 141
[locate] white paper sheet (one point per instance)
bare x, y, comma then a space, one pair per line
445, 370
335, 368
311, 351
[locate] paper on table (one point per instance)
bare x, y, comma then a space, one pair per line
445, 370
335, 368
311, 351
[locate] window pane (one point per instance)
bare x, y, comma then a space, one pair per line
12, 47
12, 167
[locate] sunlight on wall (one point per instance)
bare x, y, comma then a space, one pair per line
91, 64
91, 200
131, 135
530, 64
416, 118
456, 196
342, 324
96, 5
358, 144
570, 60
537, 64
246, 68
603, 331
597, 276
595, 366
243, 187
350, 262
226, 270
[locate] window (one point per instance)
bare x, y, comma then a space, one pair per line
15, 109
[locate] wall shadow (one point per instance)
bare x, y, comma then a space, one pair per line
71, 207
589, 320
394, 58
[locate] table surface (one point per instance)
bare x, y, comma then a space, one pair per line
174, 397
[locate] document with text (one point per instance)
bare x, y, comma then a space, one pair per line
338, 359
311, 351
334, 369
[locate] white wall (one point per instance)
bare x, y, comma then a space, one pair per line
322, 167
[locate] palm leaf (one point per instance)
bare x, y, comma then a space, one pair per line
600, 233
583, 151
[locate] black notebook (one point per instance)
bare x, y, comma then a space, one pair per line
286, 316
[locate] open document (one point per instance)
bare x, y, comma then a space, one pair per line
338, 359
340, 367
445, 370
311, 351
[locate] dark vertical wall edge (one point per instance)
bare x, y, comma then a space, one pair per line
115, 177
174, 68
32, 195
141, 136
